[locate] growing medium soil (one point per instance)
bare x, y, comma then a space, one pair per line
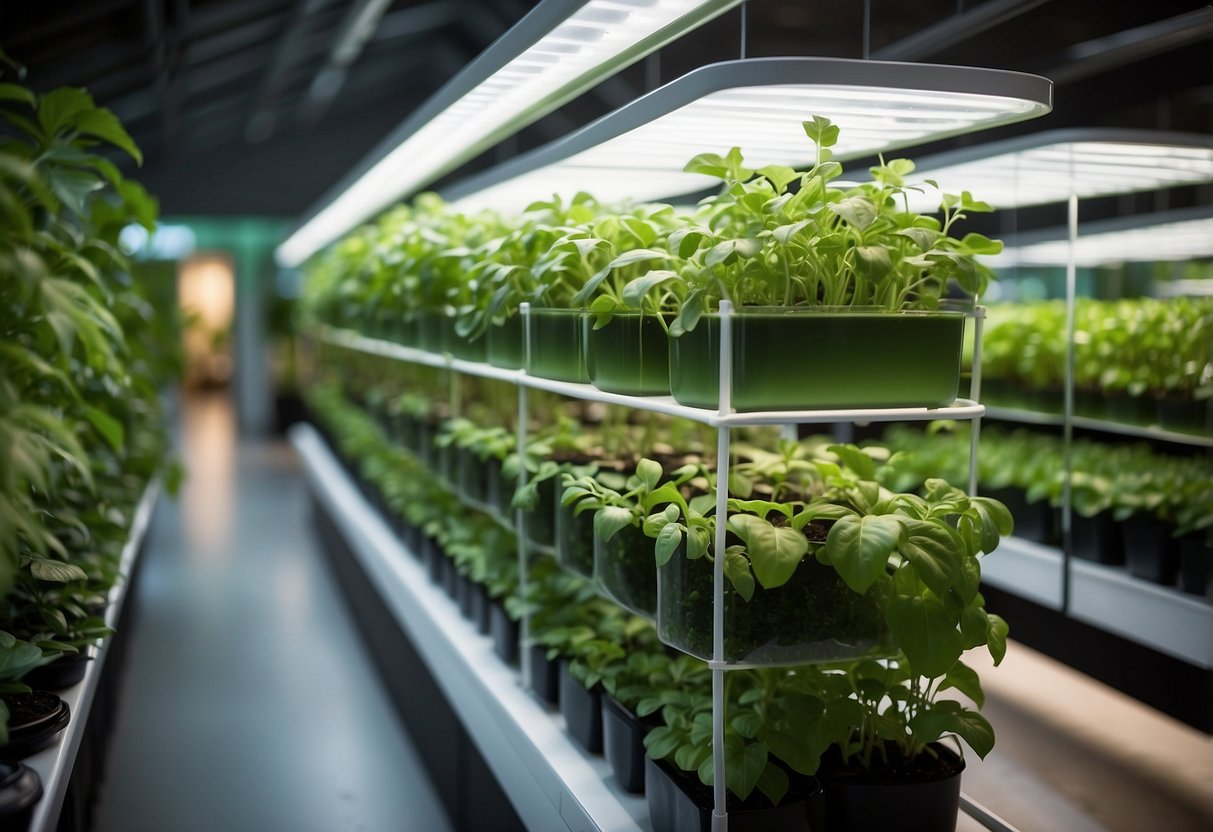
26, 709
937, 763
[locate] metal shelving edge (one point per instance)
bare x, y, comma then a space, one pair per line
1158, 617
54, 764
552, 784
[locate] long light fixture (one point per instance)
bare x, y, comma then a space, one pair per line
639, 151
560, 49
1051, 166
1162, 237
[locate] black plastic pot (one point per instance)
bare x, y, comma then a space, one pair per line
582, 710
623, 745
1185, 415
465, 596
882, 801
679, 802
541, 521
27, 736
505, 633
1037, 521
20, 791
480, 607
450, 579
1151, 553
1196, 564
545, 675
434, 558
1097, 538
61, 674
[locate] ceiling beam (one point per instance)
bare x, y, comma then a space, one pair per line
73, 15
955, 29
262, 121
357, 27
1093, 57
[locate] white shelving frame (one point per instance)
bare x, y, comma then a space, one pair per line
724, 419
54, 763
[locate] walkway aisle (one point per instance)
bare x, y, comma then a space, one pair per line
248, 703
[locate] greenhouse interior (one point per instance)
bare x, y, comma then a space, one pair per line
576, 415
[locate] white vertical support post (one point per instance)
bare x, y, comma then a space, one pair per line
520, 435
979, 318
720, 818
1067, 495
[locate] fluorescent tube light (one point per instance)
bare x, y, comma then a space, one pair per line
1163, 237
638, 152
1048, 167
560, 49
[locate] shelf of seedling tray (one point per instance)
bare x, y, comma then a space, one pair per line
552, 783
1033, 417
54, 764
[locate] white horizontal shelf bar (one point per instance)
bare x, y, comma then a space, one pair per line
1029, 570
1165, 619
1033, 417
54, 763
551, 782
960, 409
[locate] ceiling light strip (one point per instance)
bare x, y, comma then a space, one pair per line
1049, 167
557, 51
1161, 237
638, 152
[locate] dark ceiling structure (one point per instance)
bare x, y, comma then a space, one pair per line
259, 106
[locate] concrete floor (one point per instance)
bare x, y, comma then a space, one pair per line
249, 704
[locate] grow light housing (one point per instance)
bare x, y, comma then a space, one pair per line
638, 152
1163, 237
1049, 167
557, 51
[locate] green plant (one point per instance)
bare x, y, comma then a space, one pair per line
760, 243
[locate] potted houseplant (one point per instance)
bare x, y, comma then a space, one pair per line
624, 567
848, 276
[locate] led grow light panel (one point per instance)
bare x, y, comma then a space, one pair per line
1174, 236
560, 49
1049, 167
638, 152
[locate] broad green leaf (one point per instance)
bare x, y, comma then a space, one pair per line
773, 782
925, 632
775, 551
668, 541
859, 548
610, 519
649, 472
856, 210
737, 570
873, 263
109, 427
950, 718
821, 131
856, 460
933, 549
965, 679
636, 290
997, 638
59, 109
779, 175
16, 92
46, 569
103, 124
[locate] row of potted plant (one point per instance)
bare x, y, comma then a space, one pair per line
81, 429
1136, 361
811, 528
629, 298
1132, 505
